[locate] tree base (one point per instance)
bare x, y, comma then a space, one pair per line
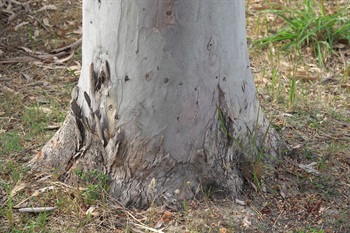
140, 171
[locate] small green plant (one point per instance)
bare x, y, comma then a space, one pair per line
292, 91
342, 218
72, 72
253, 149
97, 184
81, 174
325, 186
207, 192
79, 53
185, 206
42, 220
57, 114
308, 154
35, 120
312, 230
31, 34
100, 178
7, 212
92, 193
310, 25
15, 173
335, 147
10, 142
321, 164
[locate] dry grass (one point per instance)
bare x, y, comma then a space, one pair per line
306, 103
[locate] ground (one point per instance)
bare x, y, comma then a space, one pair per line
307, 103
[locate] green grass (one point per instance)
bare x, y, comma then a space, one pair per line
14, 172
96, 185
312, 230
292, 91
251, 146
92, 188
35, 120
308, 24
57, 114
10, 142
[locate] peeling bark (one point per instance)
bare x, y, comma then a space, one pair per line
166, 104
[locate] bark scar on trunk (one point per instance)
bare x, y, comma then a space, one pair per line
81, 140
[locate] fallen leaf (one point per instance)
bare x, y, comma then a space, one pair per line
240, 202
46, 188
309, 168
283, 195
79, 31
76, 67
46, 22
338, 46
53, 126
11, 18
42, 109
26, 7
44, 57
346, 85
9, 90
167, 216
21, 25
36, 33
69, 47
253, 186
304, 75
224, 230
246, 222
45, 177
328, 78
47, 7
321, 210
91, 211
60, 61
28, 50
26, 76
159, 224
18, 188
343, 41
71, 22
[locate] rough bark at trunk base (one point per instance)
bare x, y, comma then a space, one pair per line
141, 171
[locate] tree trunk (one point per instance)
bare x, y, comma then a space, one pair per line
166, 104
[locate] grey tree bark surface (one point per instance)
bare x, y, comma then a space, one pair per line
161, 82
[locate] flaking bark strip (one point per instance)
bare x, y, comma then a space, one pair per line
88, 100
105, 68
92, 78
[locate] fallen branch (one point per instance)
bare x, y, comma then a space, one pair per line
44, 58
37, 209
68, 47
59, 53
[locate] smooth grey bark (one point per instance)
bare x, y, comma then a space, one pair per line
156, 77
